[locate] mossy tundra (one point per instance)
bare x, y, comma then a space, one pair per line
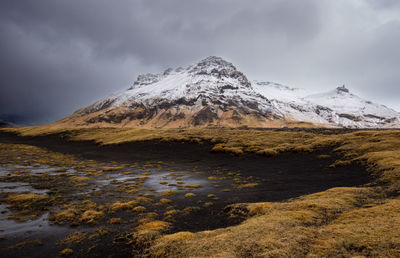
341, 221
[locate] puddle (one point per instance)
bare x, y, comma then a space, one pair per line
10, 227
19, 187
4, 171
162, 181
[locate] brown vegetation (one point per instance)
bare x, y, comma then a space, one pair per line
345, 221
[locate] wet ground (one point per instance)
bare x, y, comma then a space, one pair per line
97, 200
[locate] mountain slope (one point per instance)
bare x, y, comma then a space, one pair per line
214, 93
211, 92
353, 111
338, 107
6, 124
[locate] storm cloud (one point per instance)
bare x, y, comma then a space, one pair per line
58, 56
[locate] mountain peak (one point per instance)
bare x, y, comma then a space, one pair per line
214, 63
219, 68
342, 89
214, 60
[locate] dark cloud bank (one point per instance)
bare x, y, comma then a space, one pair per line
57, 56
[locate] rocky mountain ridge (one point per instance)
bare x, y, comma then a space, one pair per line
213, 92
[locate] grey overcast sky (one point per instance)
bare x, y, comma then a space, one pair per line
57, 56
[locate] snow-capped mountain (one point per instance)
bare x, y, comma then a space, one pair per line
338, 107
214, 93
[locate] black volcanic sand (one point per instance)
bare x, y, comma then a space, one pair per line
227, 178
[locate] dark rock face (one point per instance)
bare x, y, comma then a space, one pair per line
149, 78
206, 115
342, 89
351, 117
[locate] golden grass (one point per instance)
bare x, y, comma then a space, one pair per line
248, 185
25, 197
27, 206
156, 225
75, 238
26, 155
116, 206
66, 252
27, 243
79, 178
346, 221
172, 212
115, 221
90, 216
143, 200
169, 193
64, 216
189, 195
274, 229
139, 209
369, 232
165, 201
80, 212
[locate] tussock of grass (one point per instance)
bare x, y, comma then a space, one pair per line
174, 241
75, 238
340, 163
80, 212
189, 195
248, 185
164, 201
151, 215
115, 221
25, 197
116, 206
114, 168
139, 209
214, 178
27, 205
208, 204
90, 216
192, 186
172, 212
66, 252
223, 148
169, 193
143, 200
79, 178
63, 216
27, 243
190, 209
156, 225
